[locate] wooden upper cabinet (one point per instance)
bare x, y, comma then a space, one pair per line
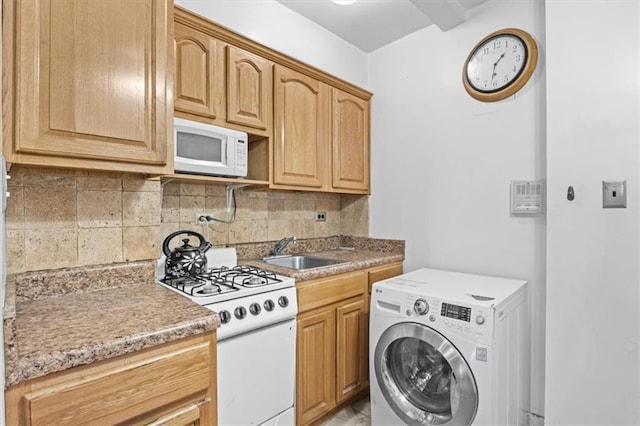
199, 79
350, 142
301, 130
92, 83
249, 89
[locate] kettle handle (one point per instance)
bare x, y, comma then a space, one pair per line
204, 244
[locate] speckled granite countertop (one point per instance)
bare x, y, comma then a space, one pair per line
55, 320
356, 253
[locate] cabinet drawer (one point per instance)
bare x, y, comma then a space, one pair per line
383, 272
189, 415
324, 291
129, 389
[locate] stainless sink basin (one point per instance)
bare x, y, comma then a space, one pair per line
301, 262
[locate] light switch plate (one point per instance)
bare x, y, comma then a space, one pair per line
614, 194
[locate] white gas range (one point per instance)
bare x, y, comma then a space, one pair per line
256, 338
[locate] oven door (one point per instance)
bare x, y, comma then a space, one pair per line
256, 376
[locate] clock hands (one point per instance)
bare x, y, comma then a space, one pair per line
495, 64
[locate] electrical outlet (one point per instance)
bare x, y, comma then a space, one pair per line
321, 216
201, 217
614, 194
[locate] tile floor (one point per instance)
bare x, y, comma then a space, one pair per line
356, 414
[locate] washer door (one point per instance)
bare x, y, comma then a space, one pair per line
424, 378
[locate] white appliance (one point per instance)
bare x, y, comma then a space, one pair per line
256, 340
449, 348
205, 149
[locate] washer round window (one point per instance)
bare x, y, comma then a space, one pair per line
423, 377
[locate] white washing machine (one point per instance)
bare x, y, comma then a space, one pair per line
449, 348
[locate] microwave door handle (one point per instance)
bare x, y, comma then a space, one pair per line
223, 157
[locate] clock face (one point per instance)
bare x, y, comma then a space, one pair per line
496, 63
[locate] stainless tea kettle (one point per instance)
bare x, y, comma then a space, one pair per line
185, 260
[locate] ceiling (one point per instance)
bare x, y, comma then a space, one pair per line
371, 24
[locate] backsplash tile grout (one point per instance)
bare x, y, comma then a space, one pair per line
59, 220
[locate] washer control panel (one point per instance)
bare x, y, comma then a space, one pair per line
462, 313
453, 317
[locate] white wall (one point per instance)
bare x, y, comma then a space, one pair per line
442, 162
592, 276
272, 24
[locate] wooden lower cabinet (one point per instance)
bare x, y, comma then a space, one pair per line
190, 415
171, 384
331, 343
316, 364
351, 350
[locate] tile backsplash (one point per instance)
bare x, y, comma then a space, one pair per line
58, 220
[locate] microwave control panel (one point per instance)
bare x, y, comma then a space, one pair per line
241, 153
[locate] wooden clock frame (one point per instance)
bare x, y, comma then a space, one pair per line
519, 81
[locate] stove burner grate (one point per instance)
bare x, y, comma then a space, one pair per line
222, 280
197, 286
247, 276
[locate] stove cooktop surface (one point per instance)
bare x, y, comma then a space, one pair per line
225, 283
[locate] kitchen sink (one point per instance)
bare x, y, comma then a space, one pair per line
300, 262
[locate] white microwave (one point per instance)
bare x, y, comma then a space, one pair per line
204, 149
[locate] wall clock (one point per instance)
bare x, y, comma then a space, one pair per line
500, 65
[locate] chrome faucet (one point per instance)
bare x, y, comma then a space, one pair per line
280, 245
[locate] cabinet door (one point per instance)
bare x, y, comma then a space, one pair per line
315, 388
351, 350
186, 416
301, 130
350, 142
93, 83
199, 80
249, 88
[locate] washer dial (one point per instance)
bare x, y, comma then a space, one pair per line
421, 307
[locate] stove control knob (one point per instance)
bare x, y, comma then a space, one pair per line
283, 301
421, 307
240, 312
479, 320
269, 305
225, 316
255, 308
